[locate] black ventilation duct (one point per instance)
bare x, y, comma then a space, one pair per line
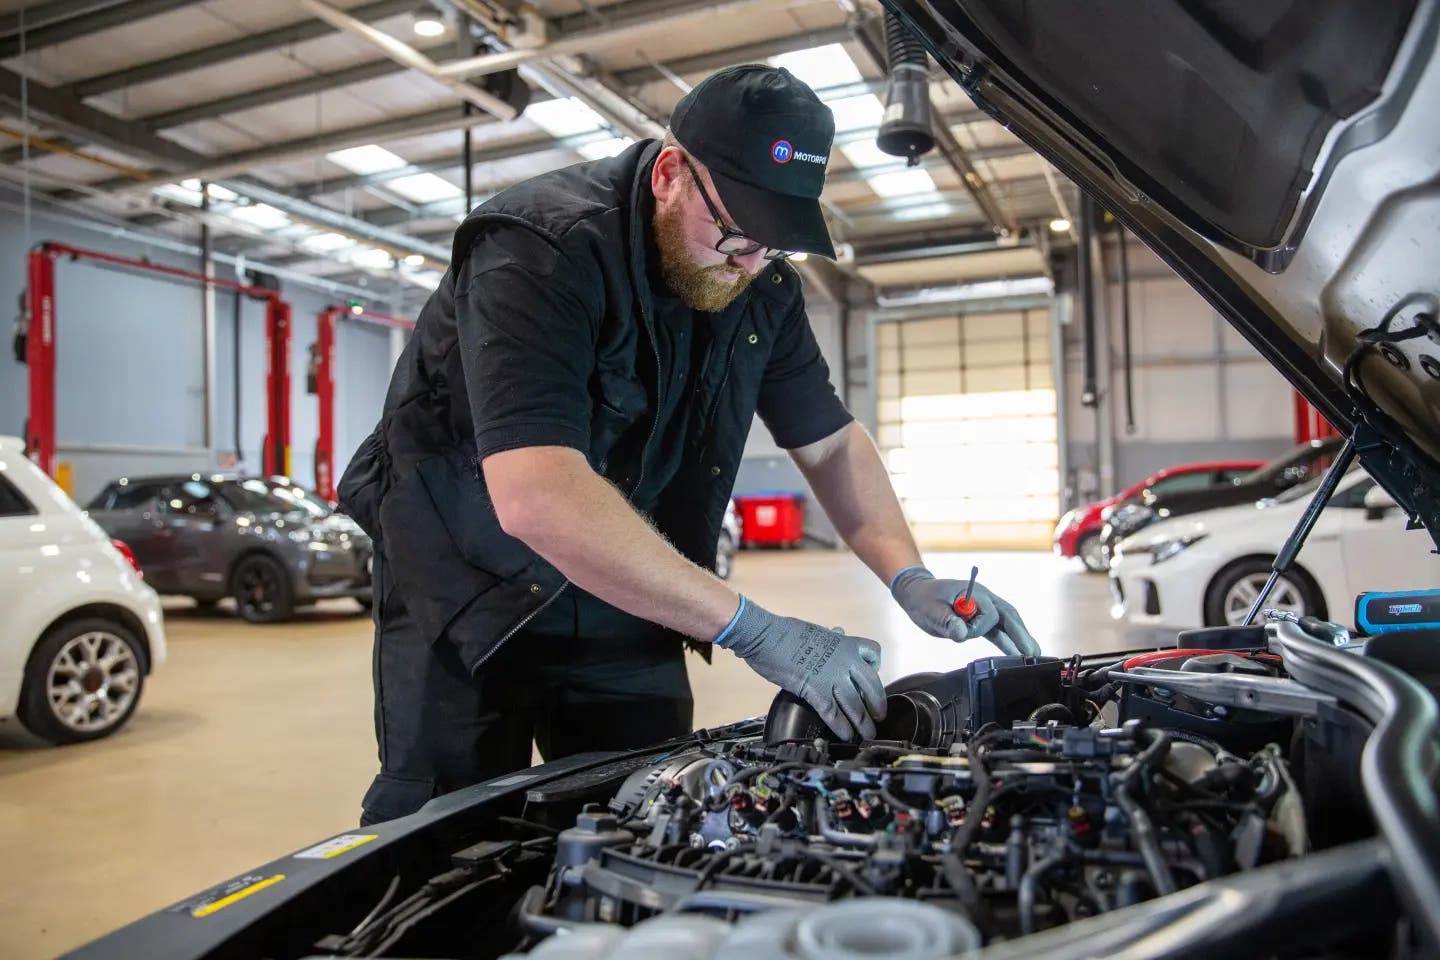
905, 131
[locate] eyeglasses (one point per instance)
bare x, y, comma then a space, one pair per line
732, 242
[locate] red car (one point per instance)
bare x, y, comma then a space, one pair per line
1078, 532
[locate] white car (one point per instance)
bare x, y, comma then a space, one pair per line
1208, 568
79, 627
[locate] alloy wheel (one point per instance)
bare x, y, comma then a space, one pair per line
1240, 597
93, 681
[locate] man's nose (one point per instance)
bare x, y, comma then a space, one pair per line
749, 262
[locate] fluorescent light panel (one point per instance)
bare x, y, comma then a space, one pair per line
820, 67
604, 148
563, 118
857, 113
424, 188
260, 215
902, 183
366, 160
864, 154
327, 242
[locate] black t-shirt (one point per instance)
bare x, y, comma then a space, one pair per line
539, 396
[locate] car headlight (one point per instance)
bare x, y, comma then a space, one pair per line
1162, 550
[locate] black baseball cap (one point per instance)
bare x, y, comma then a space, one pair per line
765, 138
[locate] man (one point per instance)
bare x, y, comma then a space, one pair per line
559, 443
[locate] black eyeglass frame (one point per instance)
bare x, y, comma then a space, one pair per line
727, 234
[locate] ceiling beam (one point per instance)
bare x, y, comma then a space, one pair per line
929, 244
303, 148
75, 119
73, 28
44, 15
291, 89
230, 50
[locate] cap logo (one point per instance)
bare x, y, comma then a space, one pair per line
781, 151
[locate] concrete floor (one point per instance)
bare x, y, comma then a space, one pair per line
254, 741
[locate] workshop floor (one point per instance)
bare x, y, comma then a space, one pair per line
254, 741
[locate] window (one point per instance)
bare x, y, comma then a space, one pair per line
264, 497
1230, 476
1354, 497
12, 501
192, 499
1182, 481
130, 496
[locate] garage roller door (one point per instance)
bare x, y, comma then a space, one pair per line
967, 424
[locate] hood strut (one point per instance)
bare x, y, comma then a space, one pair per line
1285, 559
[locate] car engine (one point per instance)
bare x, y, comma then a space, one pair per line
1255, 792
997, 802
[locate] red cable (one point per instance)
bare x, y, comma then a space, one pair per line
1145, 659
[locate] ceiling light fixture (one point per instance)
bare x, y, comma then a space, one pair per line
415, 260
1059, 225
428, 22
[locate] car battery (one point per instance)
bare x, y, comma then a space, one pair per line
772, 518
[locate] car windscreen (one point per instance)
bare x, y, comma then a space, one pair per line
259, 496
1279, 465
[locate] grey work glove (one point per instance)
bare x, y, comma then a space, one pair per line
834, 673
930, 602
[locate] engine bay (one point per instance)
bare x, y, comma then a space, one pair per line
1251, 792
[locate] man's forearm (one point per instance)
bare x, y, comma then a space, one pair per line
849, 479
582, 525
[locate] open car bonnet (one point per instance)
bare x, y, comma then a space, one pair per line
1282, 157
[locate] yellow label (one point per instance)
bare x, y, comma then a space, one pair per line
65, 478
236, 897
335, 846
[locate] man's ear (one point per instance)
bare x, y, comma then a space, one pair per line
667, 176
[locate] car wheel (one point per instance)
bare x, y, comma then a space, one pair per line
1233, 591
724, 556
1091, 553
83, 681
262, 590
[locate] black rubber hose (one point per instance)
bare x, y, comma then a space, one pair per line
1030, 887
1142, 829
902, 46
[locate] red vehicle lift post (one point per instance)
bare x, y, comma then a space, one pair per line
1310, 424
322, 359
40, 349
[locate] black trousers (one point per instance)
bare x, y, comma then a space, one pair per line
440, 729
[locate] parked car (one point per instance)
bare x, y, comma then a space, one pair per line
266, 542
1208, 568
81, 629
1300, 464
1077, 534
728, 543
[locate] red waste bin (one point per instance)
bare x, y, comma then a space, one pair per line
772, 518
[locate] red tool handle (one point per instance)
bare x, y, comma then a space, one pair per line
967, 608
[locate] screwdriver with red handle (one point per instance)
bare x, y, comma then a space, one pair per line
968, 609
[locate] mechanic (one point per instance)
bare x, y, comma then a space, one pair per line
559, 442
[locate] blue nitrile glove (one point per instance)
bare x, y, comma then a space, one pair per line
834, 673
931, 604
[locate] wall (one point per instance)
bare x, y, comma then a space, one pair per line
1201, 392
129, 368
